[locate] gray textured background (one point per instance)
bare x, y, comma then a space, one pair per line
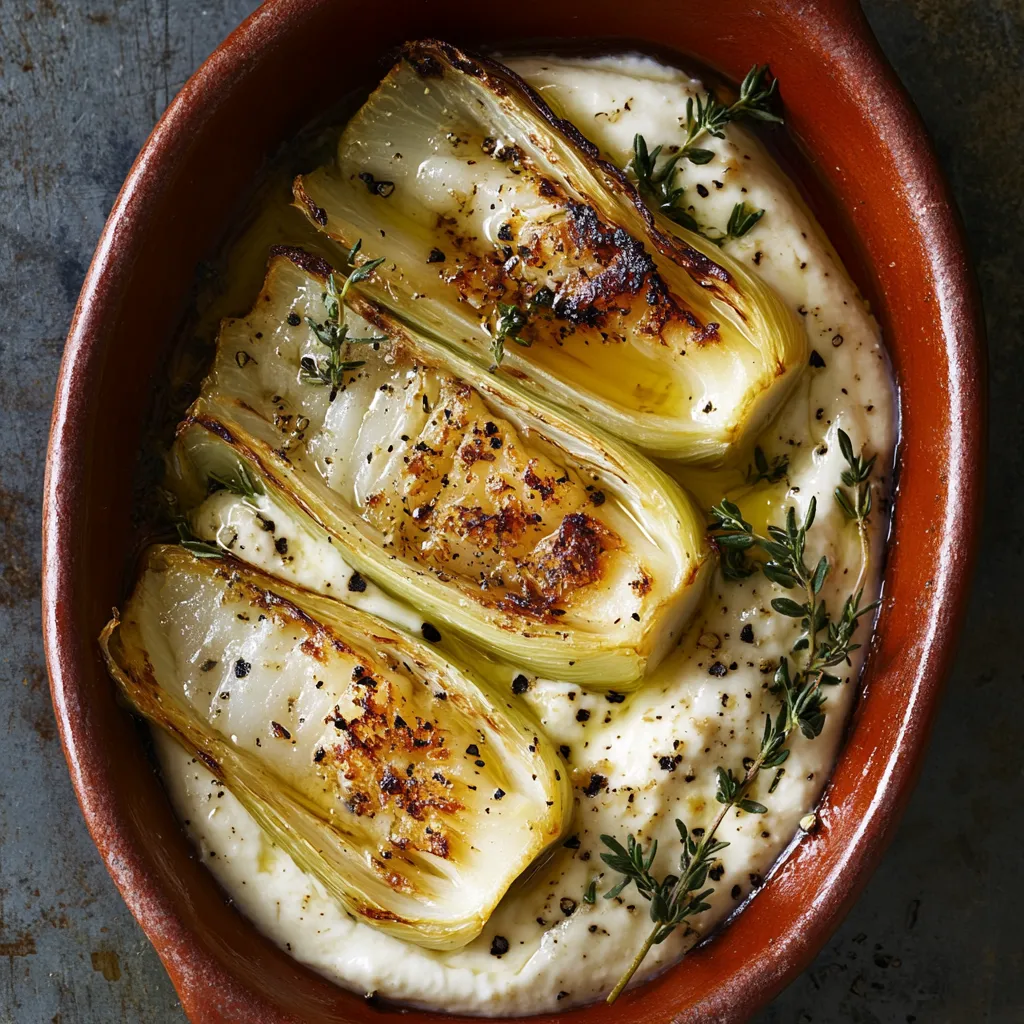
937, 936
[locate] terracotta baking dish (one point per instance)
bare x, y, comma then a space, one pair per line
882, 197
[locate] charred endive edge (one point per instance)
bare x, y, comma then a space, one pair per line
409, 789
478, 195
621, 560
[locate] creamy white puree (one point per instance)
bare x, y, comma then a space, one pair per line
565, 953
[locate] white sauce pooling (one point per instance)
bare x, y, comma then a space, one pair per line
657, 751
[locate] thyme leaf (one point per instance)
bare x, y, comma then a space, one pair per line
511, 320
768, 472
741, 220
824, 642
192, 544
240, 482
854, 497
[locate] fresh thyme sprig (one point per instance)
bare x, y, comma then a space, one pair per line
191, 543
856, 502
511, 320
655, 183
707, 114
704, 115
762, 470
333, 332
822, 644
674, 898
240, 482
655, 187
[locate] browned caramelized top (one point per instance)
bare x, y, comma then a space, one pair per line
467, 499
383, 764
567, 266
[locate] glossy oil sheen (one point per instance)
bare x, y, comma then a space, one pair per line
869, 159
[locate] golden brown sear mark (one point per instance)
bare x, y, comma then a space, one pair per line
469, 501
391, 765
601, 277
569, 561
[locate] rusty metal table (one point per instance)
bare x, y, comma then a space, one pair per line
936, 935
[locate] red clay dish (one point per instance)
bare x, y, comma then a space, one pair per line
892, 217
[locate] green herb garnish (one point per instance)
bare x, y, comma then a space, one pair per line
192, 544
512, 319
655, 183
674, 898
757, 92
762, 470
823, 643
741, 220
703, 115
333, 332
241, 482
856, 502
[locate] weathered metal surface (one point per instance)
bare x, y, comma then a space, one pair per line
81, 84
935, 937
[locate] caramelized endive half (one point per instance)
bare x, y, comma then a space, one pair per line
495, 217
412, 793
478, 502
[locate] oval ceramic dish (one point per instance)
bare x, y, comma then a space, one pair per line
887, 208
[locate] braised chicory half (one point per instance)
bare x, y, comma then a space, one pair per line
409, 788
504, 233
551, 544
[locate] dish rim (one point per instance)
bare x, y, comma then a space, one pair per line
209, 989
